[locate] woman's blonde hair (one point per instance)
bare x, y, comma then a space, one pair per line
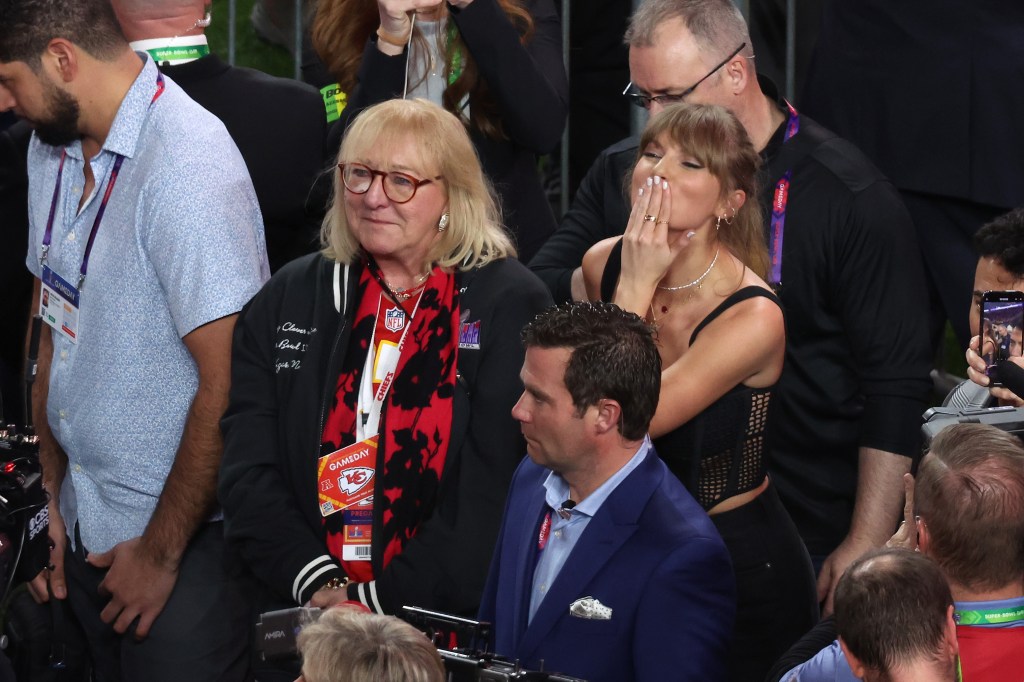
341, 28
714, 136
475, 234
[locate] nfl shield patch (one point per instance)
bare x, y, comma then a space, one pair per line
394, 319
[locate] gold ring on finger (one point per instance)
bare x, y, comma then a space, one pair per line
650, 218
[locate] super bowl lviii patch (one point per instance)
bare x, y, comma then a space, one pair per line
469, 335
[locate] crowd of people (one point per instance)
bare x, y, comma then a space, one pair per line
335, 351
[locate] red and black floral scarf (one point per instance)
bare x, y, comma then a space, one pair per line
416, 420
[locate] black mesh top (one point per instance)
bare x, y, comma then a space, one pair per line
723, 451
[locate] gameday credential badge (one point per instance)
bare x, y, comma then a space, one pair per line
345, 477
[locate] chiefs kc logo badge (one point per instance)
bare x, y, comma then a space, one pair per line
355, 479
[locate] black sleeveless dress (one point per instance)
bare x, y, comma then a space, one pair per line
723, 452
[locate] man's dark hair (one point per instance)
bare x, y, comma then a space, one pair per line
1003, 240
28, 26
891, 607
613, 356
969, 492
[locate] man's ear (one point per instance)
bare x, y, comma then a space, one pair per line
924, 536
60, 60
737, 72
609, 415
856, 666
951, 641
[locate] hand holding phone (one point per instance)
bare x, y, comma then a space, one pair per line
1002, 322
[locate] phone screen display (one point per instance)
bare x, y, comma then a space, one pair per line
1002, 320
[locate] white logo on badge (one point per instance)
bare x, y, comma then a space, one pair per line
355, 479
394, 319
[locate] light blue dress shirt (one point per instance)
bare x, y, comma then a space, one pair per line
181, 244
565, 533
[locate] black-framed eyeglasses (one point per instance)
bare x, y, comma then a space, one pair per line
644, 101
398, 187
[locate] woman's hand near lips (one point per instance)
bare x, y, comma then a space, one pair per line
647, 247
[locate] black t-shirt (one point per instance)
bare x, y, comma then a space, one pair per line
857, 350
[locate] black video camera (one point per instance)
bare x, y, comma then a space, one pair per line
462, 644
24, 515
1009, 419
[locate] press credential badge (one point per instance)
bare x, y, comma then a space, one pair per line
58, 304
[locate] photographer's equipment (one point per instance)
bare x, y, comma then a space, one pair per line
462, 644
276, 632
44, 645
466, 657
44, 642
1009, 419
24, 518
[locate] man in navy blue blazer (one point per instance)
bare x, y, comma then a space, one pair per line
606, 568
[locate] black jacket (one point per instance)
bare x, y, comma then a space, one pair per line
287, 352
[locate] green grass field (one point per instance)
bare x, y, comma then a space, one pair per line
249, 50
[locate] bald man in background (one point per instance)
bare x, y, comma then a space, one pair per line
278, 124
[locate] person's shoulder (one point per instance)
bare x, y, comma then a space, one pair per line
179, 122
673, 508
838, 157
599, 253
308, 267
37, 153
753, 303
623, 149
258, 83
296, 281
503, 274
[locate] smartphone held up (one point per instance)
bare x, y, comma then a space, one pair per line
1002, 320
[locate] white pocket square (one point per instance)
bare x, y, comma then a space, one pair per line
589, 607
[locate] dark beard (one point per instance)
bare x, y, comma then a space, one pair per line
62, 127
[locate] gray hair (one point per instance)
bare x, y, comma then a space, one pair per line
718, 26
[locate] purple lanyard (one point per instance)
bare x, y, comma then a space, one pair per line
111, 181
779, 201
